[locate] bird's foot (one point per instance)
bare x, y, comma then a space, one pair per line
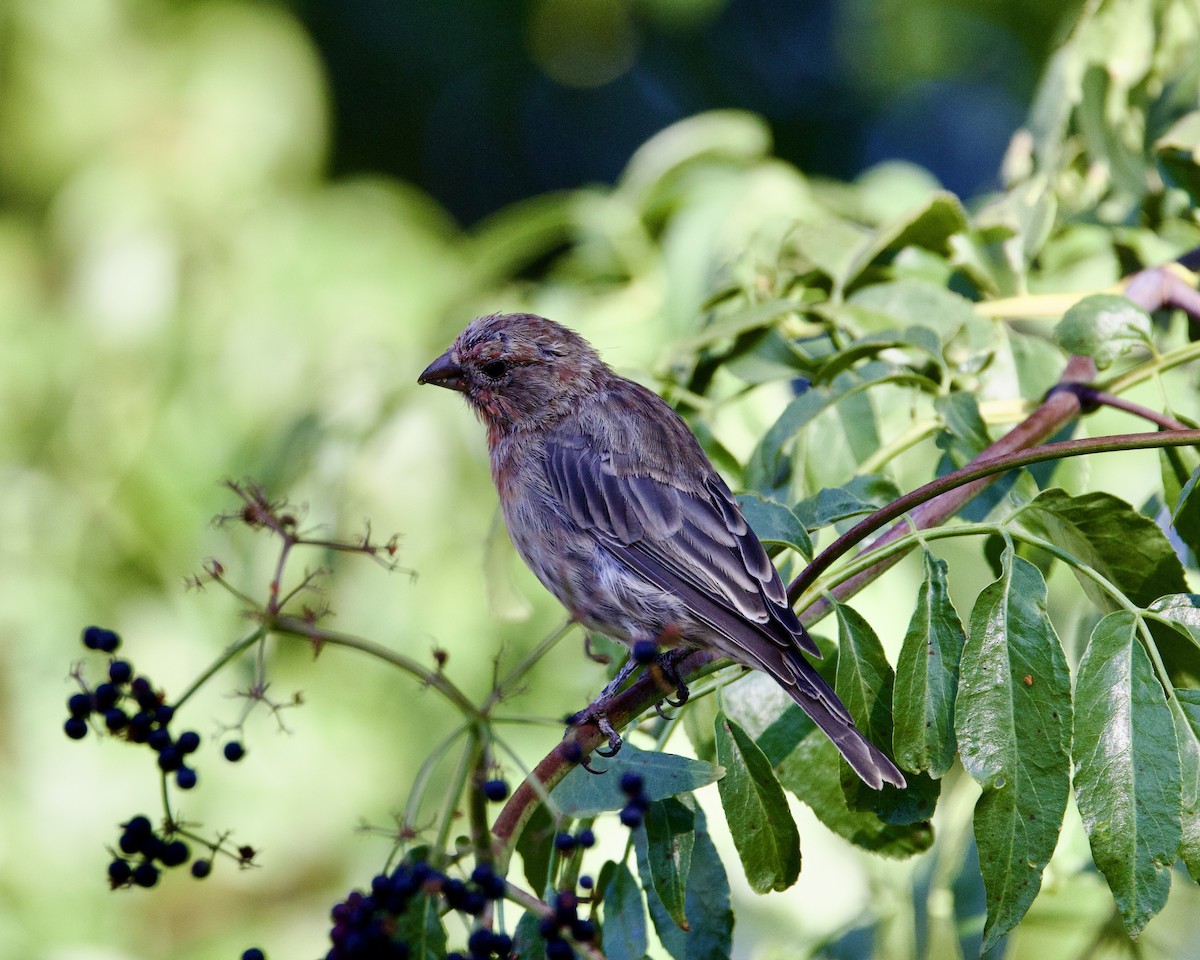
595, 714
667, 666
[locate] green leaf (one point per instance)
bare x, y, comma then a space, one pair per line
756, 809
762, 708
535, 845
1106, 533
929, 225
863, 494
1185, 708
671, 835
927, 677
965, 433
420, 926
775, 524
864, 684
528, 942
1185, 518
1127, 778
1182, 611
706, 903
1178, 154
624, 923
583, 794
1103, 326
811, 772
1013, 719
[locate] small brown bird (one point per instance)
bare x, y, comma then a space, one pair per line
615, 507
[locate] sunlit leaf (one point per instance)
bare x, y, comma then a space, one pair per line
927, 677
1103, 326
1107, 534
1185, 708
1013, 720
1127, 771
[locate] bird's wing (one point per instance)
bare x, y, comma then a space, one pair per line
693, 542
657, 506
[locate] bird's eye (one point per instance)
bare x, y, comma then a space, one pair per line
495, 369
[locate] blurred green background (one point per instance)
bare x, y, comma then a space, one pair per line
231, 236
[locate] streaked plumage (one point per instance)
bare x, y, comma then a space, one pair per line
609, 498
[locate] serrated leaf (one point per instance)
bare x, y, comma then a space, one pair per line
583, 794
927, 677
706, 902
624, 916
1127, 778
1103, 326
774, 523
1185, 708
756, 809
1013, 721
811, 773
864, 683
671, 835
1106, 533
420, 926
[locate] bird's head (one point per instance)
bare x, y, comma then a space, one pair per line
517, 369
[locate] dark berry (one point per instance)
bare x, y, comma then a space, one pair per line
159, 739
455, 892
474, 903
632, 783
488, 881
586, 839
559, 950
106, 695
120, 671
163, 713
565, 906
480, 943
79, 704
143, 693
631, 817
145, 874
170, 760
572, 752
645, 651
188, 741
140, 725
501, 944
119, 872
253, 954
564, 842
174, 853
139, 825
185, 778
586, 882
76, 728
201, 869
234, 751
583, 930
98, 638
116, 719
495, 790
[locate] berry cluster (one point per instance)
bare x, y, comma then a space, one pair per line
129, 706
565, 919
633, 786
140, 843
364, 924
565, 842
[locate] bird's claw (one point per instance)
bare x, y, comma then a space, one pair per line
614, 738
670, 669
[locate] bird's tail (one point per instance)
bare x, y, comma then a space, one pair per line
816, 698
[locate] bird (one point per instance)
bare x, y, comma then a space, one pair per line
613, 504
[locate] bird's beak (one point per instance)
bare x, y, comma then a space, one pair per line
444, 372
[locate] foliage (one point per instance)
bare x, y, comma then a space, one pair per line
853, 341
